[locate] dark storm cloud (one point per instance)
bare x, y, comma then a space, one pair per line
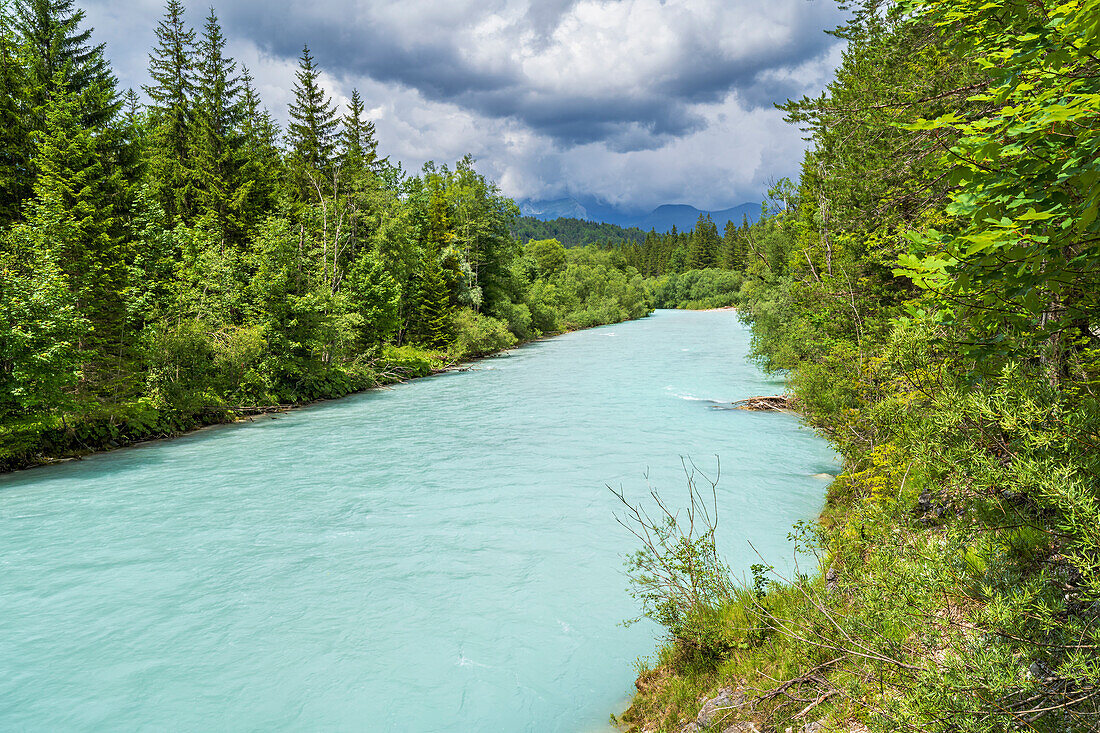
616, 96
417, 49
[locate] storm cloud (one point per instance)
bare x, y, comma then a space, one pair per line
638, 102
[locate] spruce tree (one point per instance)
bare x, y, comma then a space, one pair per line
358, 146
435, 314
59, 59
261, 163
313, 123
730, 252
219, 112
74, 208
171, 65
15, 145
702, 251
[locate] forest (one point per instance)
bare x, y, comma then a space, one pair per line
930, 288
574, 232
175, 257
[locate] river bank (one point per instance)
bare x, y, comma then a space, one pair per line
46, 441
421, 541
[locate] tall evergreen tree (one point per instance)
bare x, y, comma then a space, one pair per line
261, 162
171, 65
59, 58
435, 314
74, 208
219, 113
358, 145
313, 123
702, 250
15, 145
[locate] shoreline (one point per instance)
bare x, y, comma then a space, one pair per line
224, 417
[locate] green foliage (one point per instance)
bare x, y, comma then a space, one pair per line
477, 334
172, 68
1019, 262
574, 232
40, 327
696, 289
184, 260
313, 125
936, 315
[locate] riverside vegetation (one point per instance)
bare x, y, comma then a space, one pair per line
930, 287
184, 261
169, 264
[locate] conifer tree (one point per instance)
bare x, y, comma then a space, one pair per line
219, 112
58, 59
171, 65
702, 248
15, 145
435, 313
74, 208
260, 161
358, 146
313, 124
731, 256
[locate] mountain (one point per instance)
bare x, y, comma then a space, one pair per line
661, 219
683, 217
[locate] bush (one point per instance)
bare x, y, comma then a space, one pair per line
696, 289
477, 334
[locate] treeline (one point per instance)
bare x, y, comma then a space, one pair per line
574, 232
932, 287
701, 248
654, 254
175, 257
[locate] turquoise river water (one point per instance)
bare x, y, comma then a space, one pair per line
437, 556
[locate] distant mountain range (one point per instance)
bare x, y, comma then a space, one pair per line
661, 219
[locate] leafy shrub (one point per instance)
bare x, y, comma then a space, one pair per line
477, 334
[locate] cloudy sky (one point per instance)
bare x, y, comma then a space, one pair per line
635, 102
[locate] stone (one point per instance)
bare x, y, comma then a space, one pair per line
815, 726
720, 705
743, 727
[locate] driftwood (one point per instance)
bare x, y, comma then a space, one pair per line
774, 402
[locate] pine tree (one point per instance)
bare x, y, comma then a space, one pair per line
74, 207
219, 113
261, 164
171, 65
358, 146
59, 60
313, 123
730, 253
435, 313
15, 145
702, 251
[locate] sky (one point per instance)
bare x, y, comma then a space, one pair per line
636, 103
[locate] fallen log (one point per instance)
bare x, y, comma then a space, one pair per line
765, 404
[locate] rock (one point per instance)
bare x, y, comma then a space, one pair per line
815, 726
691, 727
719, 706
832, 579
929, 509
744, 727
1038, 671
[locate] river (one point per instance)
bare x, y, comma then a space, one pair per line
436, 556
